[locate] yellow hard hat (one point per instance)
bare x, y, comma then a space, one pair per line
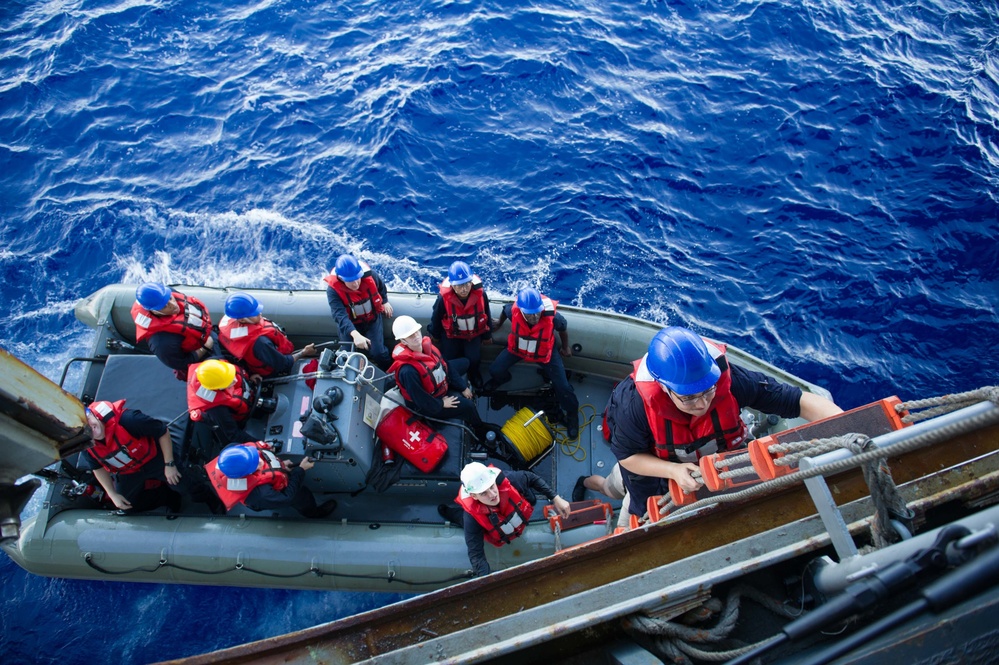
216, 374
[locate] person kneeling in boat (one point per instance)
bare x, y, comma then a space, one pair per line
220, 398
359, 303
430, 386
461, 319
682, 401
497, 506
259, 344
177, 328
534, 322
132, 449
250, 474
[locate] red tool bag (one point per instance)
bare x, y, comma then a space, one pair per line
412, 438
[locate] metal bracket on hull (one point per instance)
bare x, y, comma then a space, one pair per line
833, 520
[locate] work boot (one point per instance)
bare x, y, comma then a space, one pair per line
452, 514
475, 379
323, 510
579, 491
174, 502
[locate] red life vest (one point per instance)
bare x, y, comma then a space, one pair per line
119, 451
192, 322
533, 343
468, 319
235, 490
363, 305
239, 396
239, 338
681, 437
428, 364
503, 522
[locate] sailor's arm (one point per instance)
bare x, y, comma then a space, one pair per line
104, 478
646, 464
816, 407
505, 314
562, 328
387, 308
476, 548
169, 466
435, 329
425, 403
338, 310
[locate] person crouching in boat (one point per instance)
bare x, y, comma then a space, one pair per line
130, 451
257, 343
250, 474
683, 401
359, 304
497, 506
461, 319
430, 386
220, 398
177, 328
534, 321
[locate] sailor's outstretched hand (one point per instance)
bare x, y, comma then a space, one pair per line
682, 475
360, 341
120, 502
172, 474
450, 402
562, 506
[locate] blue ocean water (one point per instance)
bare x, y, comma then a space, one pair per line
814, 181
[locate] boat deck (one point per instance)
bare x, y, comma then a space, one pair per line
151, 387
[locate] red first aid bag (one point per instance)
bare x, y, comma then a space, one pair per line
416, 441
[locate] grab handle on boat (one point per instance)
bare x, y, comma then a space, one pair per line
362, 370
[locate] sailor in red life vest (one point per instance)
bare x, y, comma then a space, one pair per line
497, 506
250, 474
461, 319
257, 343
535, 321
430, 386
359, 303
683, 401
129, 449
177, 328
220, 398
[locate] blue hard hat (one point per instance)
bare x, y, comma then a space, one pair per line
529, 301
348, 269
459, 273
242, 306
238, 461
153, 295
679, 359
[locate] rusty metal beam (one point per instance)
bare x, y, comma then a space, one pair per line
602, 562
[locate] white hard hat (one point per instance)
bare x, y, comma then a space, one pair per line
404, 326
476, 477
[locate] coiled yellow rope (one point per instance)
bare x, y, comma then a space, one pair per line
529, 438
